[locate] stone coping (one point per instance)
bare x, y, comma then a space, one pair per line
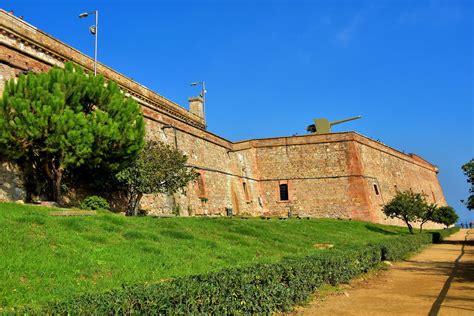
332, 138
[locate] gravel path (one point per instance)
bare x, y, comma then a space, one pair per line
437, 281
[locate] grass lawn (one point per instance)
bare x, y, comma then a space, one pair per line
43, 258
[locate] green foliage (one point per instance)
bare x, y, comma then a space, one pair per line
95, 203
445, 215
412, 207
159, 168
64, 118
407, 206
257, 289
47, 258
468, 169
440, 235
399, 248
426, 214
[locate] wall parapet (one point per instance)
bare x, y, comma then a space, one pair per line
332, 138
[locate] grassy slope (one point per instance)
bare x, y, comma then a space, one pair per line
43, 258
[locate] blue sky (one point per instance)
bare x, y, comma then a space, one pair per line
272, 66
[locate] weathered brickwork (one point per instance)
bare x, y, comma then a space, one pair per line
389, 171
11, 182
344, 175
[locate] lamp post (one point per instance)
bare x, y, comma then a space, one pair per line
94, 29
202, 94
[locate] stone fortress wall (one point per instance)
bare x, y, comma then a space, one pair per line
343, 175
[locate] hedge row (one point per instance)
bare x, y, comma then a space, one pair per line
259, 289
438, 236
398, 248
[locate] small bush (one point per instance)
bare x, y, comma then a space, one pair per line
95, 203
401, 247
438, 236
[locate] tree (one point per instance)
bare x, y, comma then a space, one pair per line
468, 170
445, 215
407, 206
158, 168
65, 118
427, 214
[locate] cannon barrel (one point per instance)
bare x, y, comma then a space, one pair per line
346, 120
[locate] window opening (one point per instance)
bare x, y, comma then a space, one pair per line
284, 192
376, 189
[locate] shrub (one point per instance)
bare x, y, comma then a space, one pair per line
259, 289
95, 203
401, 247
439, 235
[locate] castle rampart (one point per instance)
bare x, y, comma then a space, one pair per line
343, 175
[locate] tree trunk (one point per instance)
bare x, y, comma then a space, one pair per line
410, 228
421, 226
57, 197
55, 174
133, 204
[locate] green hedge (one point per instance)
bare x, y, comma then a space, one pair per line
439, 235
259, 289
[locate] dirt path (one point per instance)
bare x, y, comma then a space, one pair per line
438, 281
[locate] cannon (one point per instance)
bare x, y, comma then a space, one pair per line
323, 126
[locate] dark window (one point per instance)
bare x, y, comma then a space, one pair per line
376, 189
283, 192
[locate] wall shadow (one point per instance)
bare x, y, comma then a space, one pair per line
379, 230
464, 271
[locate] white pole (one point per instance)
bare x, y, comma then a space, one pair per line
96, 36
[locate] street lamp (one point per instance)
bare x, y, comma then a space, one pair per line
202, 95
94, 29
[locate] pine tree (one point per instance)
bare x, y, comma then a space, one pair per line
66, 118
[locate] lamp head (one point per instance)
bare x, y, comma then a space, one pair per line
83, 15
194, 83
